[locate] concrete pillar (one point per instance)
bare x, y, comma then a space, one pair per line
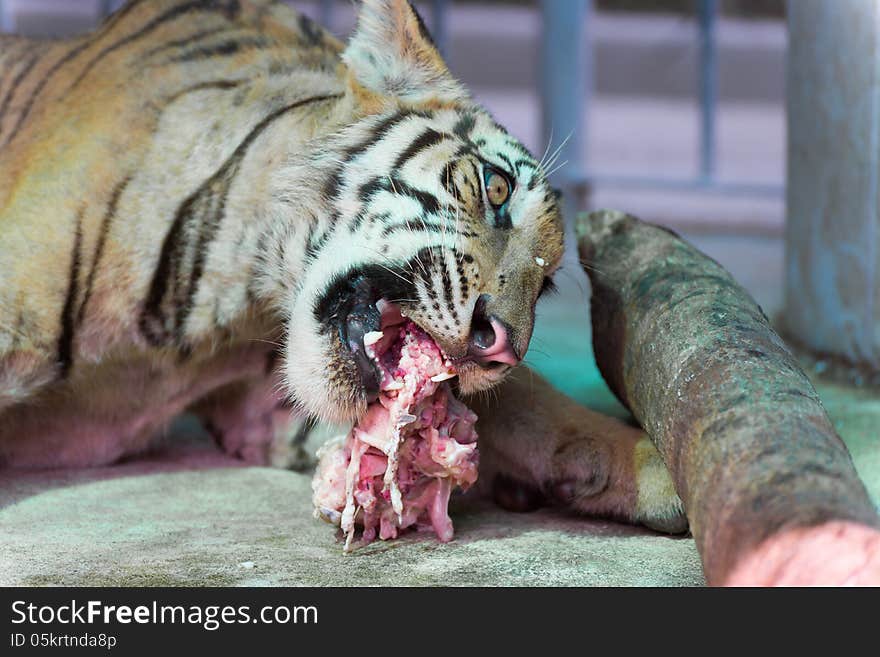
832, 301
565, 88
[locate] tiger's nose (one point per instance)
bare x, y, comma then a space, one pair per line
489, 339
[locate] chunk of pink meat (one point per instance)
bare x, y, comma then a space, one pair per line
399, 464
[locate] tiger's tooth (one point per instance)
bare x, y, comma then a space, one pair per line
437, 378
394, 385
372, 338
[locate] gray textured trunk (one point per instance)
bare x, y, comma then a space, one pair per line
740, 426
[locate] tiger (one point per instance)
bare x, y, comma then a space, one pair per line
203, 203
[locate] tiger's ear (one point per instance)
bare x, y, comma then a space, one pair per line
392, 56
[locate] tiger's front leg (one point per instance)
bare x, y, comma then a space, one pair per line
538, 446
251, 420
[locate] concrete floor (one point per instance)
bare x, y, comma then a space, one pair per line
252, 526
187, 515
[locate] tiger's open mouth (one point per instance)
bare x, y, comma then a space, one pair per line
366, 324
397, 466
364, 319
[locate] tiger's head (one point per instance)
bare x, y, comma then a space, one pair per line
425, 208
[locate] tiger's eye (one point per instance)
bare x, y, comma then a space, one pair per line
497, 189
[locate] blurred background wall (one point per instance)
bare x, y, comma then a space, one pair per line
639, 134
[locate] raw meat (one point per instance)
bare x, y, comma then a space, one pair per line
399, 464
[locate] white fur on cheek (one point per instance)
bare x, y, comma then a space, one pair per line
307, 357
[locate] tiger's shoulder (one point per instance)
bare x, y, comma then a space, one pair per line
146, 56
104, 138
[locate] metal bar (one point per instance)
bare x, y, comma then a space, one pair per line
440, 24
708, 85
566, 85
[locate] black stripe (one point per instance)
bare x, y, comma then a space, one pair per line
446, 278
224, 48
366, 191
229, 7
359, 219
65, 338
413, 225
522, 150
212, 204
15, 83
525, 163
394, 185
379, 132
466, 149
427, 227
201, 86
313, 33
331, 187
476, 184
427, 200
119, 14
464, 126
500, 128
370, 188
106, 222
423, 29
447, 180
315, 244
188, 40
424, 141
423, 264
152, 321
463, 283
26, 110
201, 215
512, 170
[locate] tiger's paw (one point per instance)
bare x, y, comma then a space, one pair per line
658, 506
584, 478
581, 474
